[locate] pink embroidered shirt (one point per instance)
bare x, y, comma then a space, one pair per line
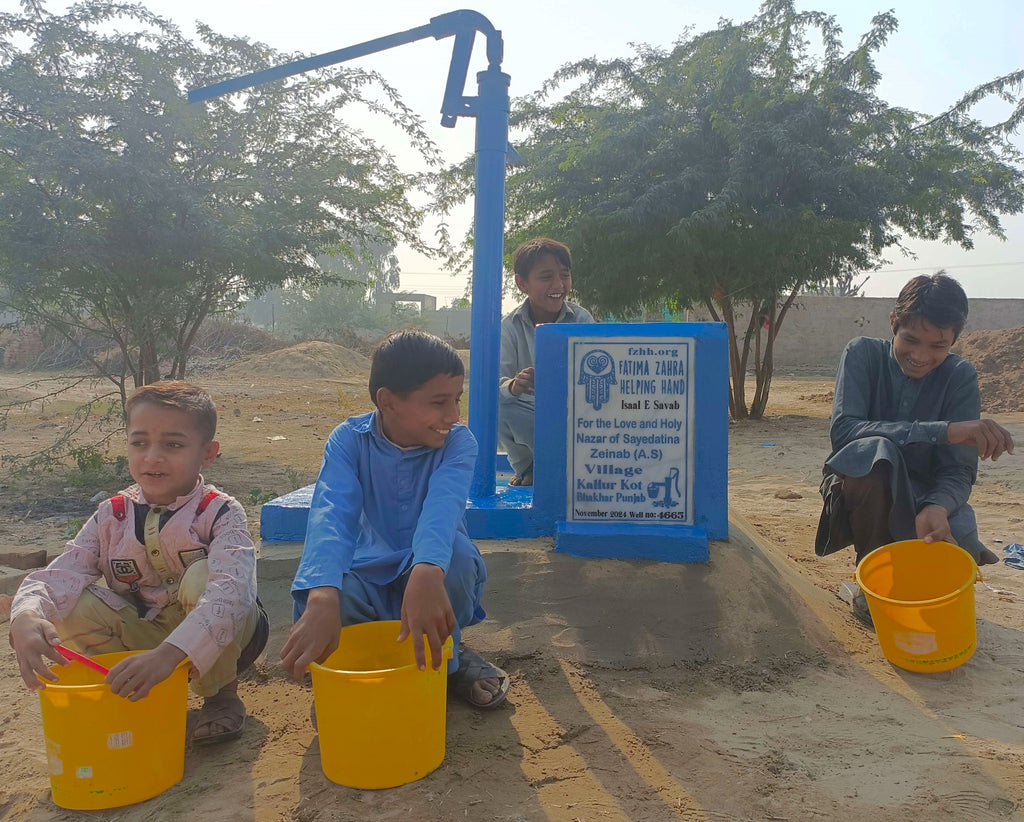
108, 547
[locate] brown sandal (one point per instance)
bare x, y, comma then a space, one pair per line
223, 716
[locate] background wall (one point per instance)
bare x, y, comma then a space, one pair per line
816, 328
815, 331
447, 322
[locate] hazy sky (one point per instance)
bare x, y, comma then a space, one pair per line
942, 48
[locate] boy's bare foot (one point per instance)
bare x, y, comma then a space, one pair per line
221, 718
477, 681
483, 691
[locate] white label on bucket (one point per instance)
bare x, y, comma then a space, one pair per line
121, 740
914, 642
56, 765
85, 772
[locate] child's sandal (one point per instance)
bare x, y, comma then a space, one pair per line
472, 668
225, 710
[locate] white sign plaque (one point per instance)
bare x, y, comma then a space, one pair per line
630, 429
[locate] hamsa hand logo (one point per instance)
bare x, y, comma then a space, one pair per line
597, 374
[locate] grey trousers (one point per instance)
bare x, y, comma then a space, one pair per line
515, 435
870, 505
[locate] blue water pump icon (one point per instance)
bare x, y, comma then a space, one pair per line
671, 481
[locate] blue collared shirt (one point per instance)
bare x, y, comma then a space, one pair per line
380, 509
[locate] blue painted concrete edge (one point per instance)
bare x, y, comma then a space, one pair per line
506, 515
284, 518
666, 543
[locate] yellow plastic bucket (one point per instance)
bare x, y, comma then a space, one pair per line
104, 751
381, 720
921, 598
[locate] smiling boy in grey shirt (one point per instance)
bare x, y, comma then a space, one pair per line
543, 270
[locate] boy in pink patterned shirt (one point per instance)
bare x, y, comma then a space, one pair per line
178, 564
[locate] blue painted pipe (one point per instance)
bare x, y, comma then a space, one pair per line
488, 239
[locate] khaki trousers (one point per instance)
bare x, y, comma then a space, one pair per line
93, 627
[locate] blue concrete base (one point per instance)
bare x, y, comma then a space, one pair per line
284, 519
508, 514
667, 543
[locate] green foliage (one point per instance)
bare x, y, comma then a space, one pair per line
72, 528
843, 285
257, 496
96, 422
126, 211
89, 461
743, 166
95, 468
319, 313
121, 467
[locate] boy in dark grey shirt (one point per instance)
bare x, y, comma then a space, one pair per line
907, 432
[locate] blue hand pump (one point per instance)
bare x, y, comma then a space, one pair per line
490, 108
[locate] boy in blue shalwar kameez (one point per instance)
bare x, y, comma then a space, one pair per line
386, 537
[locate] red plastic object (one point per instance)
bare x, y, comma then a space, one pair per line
74, 656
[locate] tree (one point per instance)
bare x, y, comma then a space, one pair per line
350, 301
741, 167
126, 212
842, 285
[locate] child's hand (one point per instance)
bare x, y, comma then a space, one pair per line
522, 383
134, 676
426, 610
932, 525
314, 637
988, 436
33, 639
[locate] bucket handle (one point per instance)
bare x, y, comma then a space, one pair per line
977, 576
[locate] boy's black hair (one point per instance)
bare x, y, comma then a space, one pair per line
939, 299
407, 360
182, 396
529, 253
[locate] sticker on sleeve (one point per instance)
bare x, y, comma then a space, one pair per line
119, 740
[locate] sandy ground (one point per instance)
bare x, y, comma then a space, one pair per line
738, 690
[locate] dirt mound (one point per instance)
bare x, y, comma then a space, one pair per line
221, 343
313, 359
999, 358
